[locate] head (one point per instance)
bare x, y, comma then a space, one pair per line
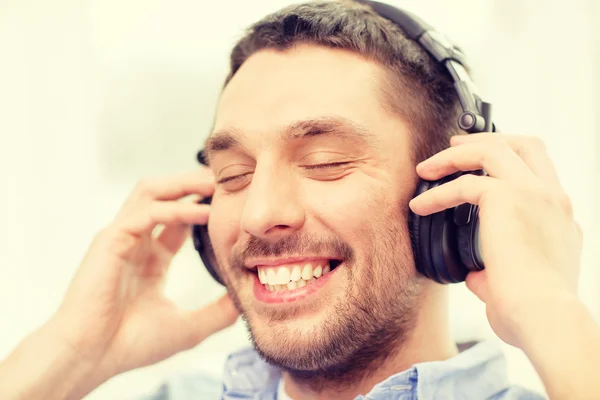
326, 111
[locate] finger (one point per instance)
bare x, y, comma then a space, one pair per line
199, 182
212, 318
531, 150
144, 219
467, 188
495, 157
476, 281
172, 237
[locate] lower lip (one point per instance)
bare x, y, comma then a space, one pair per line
288, 296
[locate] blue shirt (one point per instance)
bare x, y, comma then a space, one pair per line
477, 373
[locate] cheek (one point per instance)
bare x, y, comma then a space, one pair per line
224, 225
348, 208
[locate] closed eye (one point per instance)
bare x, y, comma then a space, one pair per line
231, 178
327, 165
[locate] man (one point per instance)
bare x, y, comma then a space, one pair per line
326, 112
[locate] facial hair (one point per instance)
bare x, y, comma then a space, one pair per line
368, 327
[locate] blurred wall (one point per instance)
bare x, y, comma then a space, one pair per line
95, 95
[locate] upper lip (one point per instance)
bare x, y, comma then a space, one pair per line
254, 262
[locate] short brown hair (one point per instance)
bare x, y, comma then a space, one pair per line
432, 107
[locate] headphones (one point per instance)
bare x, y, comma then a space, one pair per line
445, 244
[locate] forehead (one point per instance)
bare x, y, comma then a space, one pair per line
275, 89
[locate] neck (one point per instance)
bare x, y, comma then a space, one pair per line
430, 340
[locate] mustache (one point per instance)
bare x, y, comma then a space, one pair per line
292, 245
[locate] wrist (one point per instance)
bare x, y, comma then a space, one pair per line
78, 367
553, 315
45, 367
541, 308
563, 343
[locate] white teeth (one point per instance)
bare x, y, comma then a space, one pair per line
318, 272
307, 272
283, 276
271, 277
292, 285
296, 274
262, 276
292, 276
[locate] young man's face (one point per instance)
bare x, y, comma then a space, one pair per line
317, 175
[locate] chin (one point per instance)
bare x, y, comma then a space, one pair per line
295, 335
299, 344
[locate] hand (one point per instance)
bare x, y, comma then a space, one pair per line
530, 242
115, 314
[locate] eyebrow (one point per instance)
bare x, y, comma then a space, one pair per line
338, 127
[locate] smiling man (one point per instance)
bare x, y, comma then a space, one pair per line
327, 120
313, 178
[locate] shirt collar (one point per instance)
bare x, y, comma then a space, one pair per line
246, 375
479, 370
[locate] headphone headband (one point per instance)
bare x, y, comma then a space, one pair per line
476, 115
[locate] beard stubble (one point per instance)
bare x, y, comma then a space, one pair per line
364, 328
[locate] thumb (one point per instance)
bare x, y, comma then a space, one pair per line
477, 283
212, 318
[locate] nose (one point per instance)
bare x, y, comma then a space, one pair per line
273, 208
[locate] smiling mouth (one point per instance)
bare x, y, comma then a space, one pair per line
293, 276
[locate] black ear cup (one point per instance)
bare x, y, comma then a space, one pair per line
466, 218
204, 247
468, 243
419, 227
445, 247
